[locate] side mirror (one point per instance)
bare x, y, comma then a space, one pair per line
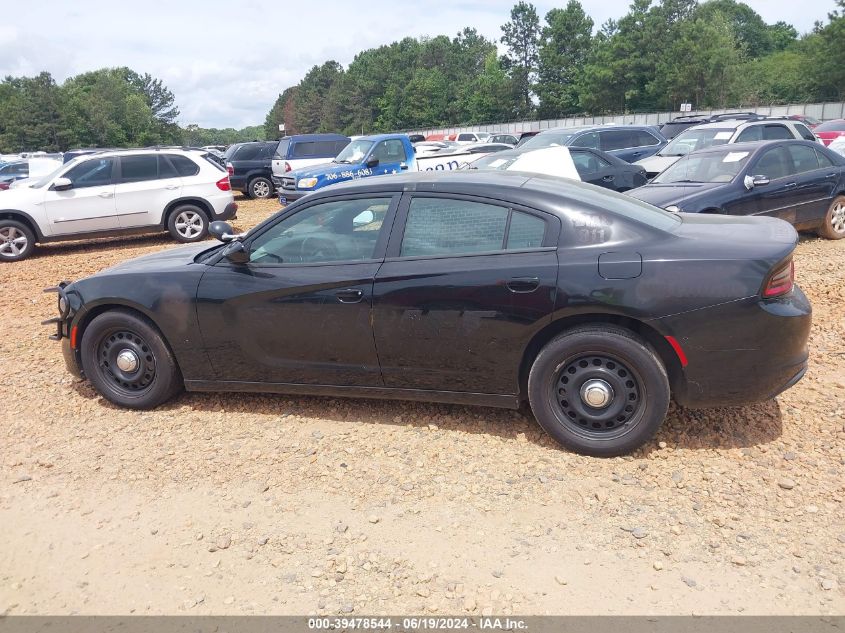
62, 184
373, 162
222, 231
236, 253
755, 181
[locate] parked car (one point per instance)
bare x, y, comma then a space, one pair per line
250, 167
508, 139
721, 133
468, 287
25, 169
305, 150
628, 142
525, 136
810, 121
465, 138
416, 138
484, 148
677, 125
116, 193
801, 182
830, 130
10, 172
838, 145
591, 165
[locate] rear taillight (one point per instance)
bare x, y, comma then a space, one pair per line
781, 280
223, 184
287, 167
230, 169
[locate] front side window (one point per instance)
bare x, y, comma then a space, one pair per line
138, 168
774, 164
340, 230
91, 173
645, 138
391, 151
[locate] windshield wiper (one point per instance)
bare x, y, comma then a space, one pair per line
677, 181
345, 162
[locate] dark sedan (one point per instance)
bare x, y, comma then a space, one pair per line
593, 166
483, 288
798, 181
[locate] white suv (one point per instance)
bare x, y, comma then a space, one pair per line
117, 193
722, 132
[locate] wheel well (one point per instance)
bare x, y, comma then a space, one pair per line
199, 202
661, 346
23, 219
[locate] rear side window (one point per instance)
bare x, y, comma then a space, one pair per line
325, 149
439, 226
303, 149
282, 149
525, 231
587, 162
618, 139
824, 161
777, 133
266, 151
247, 152
804, 158
138, 168
166, 168
805, 132
184, 166
644, 138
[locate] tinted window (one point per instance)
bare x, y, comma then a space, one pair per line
325, 149
750, 134
805, 132
303, 149
184, 165
91, 173
618, 139
266, 152
166, 168
247, 152
466, 137
282, 149
824, 161
803, 158
587, 162
439, 226
525, 231
138, 168
391, 151
590, 139
776, 133
339, 146
645, 138
773, 164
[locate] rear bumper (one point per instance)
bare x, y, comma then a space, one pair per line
743, 352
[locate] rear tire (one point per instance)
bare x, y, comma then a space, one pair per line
833, 226
187, 224
260, 188
599, 390
17, 241
127, 361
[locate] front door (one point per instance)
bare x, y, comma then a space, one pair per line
461, 293
391, 157
299, 311
88, 205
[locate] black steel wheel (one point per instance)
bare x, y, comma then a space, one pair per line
126, 359
599, 390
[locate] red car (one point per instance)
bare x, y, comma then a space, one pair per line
830, 130
809, 121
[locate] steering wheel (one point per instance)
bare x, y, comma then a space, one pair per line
316, 248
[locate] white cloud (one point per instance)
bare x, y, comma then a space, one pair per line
227, 61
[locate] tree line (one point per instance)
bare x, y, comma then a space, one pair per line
714, 54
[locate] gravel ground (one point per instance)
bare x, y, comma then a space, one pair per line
231, 504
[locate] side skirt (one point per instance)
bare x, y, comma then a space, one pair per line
381, 393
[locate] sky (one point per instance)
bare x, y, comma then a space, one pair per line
226, 62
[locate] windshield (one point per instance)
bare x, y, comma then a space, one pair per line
354, 152
548, 139
691, 140
832, 126
708, 167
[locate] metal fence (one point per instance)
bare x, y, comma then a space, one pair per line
823, 111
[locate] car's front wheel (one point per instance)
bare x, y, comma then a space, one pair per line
260, 188
187, 224
16, 240
126, 359
599, 390
833, 227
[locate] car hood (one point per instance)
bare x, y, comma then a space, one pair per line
18, 197
168, 259
665, 195
655, 164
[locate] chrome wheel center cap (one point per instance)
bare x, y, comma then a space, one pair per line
127, 361
596, 393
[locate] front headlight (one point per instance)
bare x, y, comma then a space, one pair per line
63, 305
306, 183
673, 209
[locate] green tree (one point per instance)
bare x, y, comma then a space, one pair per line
826, 47
564, 46
521, 35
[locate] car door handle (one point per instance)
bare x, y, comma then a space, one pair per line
171, 187
403, 166
833, 175
523, 284
106, 194
608, 178
349, 295
790, 185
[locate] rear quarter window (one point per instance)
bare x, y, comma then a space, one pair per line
247, 152
184, 166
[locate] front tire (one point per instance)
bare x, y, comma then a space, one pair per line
127, 361
599, 390
833, 227
260, 188
187, 224
17, 241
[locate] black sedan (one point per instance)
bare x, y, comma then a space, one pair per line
798, 181
485, 288
593, 166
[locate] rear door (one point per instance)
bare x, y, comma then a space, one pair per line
814, 188
146, 183
89, 205
779, 198
466, 283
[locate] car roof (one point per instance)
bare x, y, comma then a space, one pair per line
583, 128
142, 150
316, 137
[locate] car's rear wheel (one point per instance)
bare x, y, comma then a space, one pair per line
126, 359
187, 223
260, 188
599, 390
16, 240
833, 227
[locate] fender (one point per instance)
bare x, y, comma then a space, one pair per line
38, 234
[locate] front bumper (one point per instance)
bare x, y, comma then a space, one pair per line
742, 352
64, 330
